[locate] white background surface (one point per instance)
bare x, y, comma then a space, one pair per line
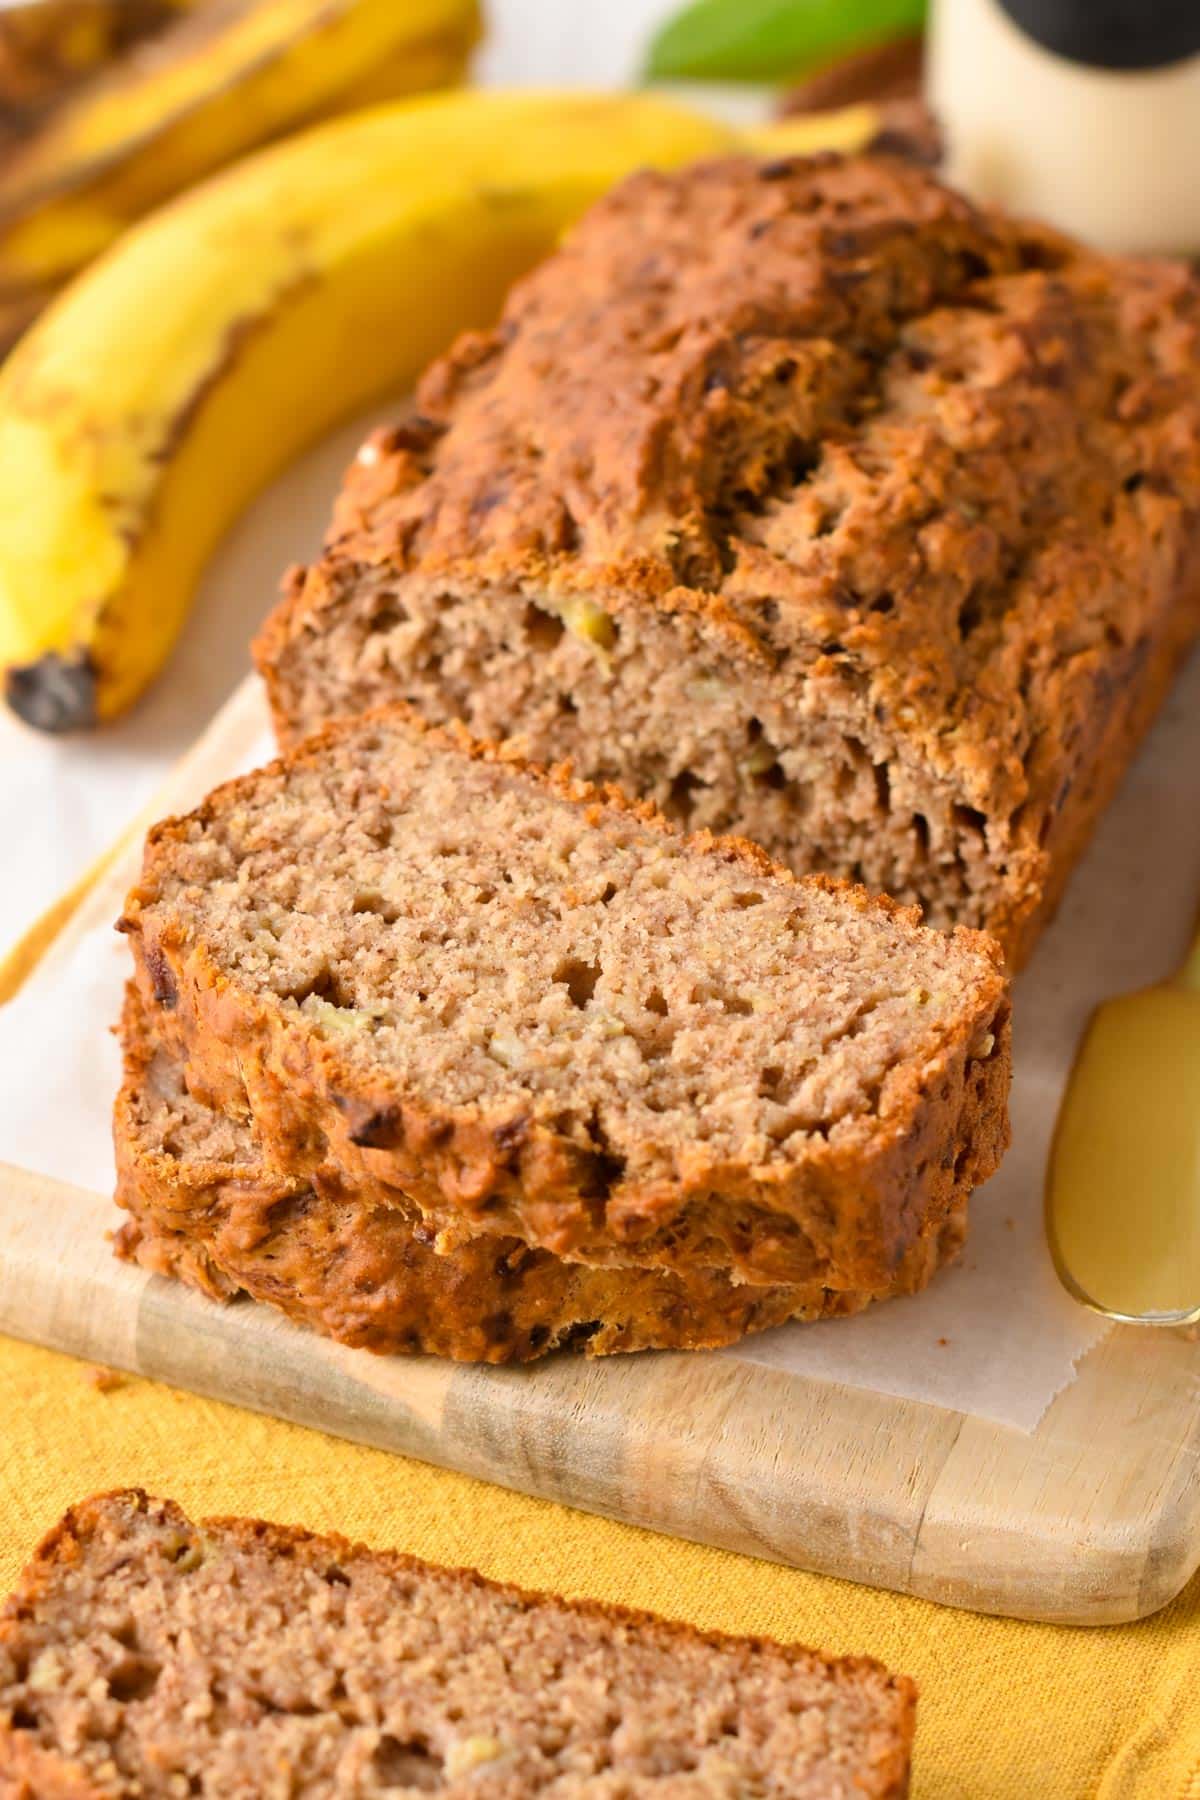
62, 801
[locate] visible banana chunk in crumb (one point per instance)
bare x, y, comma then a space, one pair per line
590, 624
343, 1021
469, 1753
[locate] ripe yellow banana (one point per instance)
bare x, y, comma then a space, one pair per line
192, 362
220, 81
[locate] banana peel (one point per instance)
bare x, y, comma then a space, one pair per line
184, 369
48, 47
223, 80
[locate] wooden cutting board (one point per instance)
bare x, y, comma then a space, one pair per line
1092, 1518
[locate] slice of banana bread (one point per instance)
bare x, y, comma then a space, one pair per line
205, 1207
143, 1654
807, 500
540, 1011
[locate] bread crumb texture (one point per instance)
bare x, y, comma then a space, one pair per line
145, 1655
807, 500
538, 1010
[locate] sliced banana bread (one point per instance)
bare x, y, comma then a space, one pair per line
205, 1207
143, 1654
807, 500
540, 1011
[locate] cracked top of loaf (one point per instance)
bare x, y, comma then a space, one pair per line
842, 413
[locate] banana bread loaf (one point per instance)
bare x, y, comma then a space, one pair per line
204, 1206
536, 1010
144, 1655
807, 500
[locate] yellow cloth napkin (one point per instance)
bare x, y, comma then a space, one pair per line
1029, 1712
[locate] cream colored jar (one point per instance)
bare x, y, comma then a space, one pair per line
1081, 113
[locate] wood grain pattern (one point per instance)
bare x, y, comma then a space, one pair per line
1091, 1519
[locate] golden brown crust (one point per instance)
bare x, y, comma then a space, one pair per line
845, 1216
368, 1274
28, 1771
613, 1312
1107, 722
943, 464
48, 1777
844, 1212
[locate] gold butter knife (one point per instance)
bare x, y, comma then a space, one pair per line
1123, 1185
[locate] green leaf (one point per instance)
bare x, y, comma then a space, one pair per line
769, 40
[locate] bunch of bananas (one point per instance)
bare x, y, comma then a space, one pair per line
204, 81
225, 332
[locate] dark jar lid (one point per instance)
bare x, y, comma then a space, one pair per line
1111, 34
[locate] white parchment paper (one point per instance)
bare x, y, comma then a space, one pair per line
996, 1335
